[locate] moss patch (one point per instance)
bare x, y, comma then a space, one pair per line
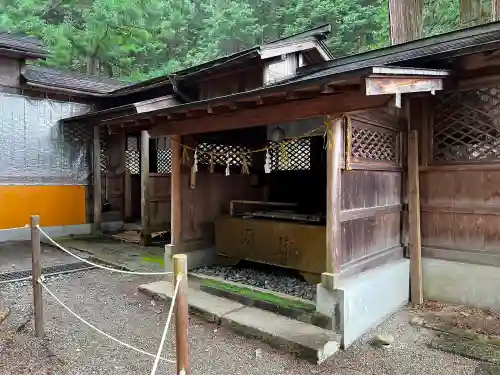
153, 259
276, 300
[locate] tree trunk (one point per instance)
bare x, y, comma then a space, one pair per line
495, 10
470, 12
405, 17
91, 65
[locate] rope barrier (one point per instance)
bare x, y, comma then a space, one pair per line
40, 281
25, 227
98, 265
167, 324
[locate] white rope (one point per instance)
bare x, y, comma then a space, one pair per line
97, 329
164, 336
26, 226
98, 265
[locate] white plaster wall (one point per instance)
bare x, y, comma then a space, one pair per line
372, 296
463, 283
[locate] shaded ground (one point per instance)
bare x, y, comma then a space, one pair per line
16, 256
131, 256
111, 302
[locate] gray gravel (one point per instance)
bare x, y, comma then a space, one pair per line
277, 280
111, 302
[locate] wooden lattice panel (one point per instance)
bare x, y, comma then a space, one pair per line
103, 140
221, 153
467, 126
164, 161
292, 155
132, 155
369, 143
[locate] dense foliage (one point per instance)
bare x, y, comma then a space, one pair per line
137, 39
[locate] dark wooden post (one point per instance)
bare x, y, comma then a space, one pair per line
414, 219
333, 181
97, 180
175, 180
145, 214
181, 315
36, 272
127, 195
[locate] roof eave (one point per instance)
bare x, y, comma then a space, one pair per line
64, 89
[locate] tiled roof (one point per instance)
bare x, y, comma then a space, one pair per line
91, 85
23, 45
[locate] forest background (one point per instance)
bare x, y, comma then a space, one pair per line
137, 39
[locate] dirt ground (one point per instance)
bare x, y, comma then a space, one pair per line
480, 321
112, 303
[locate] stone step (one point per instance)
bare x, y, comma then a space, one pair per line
278, 303
304, 340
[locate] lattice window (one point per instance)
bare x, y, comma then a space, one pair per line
221, 153
292, 155
103, 140
132, 155
467, 126
368, 143
164, 161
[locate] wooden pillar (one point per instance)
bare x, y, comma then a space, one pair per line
145, 214
175, 193
333, 181
414, 219
97, 180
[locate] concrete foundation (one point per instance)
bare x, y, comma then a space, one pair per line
195, 258
463, 283
363, 301
23, 234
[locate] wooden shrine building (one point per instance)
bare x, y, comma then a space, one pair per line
339, 168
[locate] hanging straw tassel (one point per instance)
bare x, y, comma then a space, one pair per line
348, 143
212, 162
267, 165
244, 164
283, 155
185, 156
328, 136
195, 161
227, 165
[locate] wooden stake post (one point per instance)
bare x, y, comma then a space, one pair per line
414, 220
181, 315
36, 272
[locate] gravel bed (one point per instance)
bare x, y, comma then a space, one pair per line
276, 280
112, 303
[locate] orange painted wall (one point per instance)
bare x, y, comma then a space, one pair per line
56, 205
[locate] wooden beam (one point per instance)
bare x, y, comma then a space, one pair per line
97, 180
333, 180
414, 219
145, 214
175, 205
401, 85
272, 114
